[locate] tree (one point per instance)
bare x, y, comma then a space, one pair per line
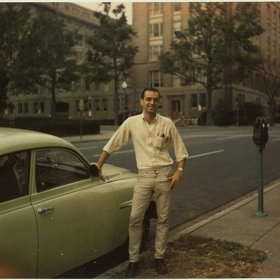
269, 71
215, 48
13, 21
45, 57
112, 55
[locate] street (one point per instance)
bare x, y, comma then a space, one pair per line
222, 166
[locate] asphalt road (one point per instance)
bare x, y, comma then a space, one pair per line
223, 165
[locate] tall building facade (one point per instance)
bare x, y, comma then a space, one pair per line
156, 22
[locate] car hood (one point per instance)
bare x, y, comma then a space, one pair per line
114, 173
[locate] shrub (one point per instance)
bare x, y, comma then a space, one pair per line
58, 127
220, 116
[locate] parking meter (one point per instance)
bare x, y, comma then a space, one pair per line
260, 138
260, 131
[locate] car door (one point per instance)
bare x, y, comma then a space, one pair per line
76, 213
18, 230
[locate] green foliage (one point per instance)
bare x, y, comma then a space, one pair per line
111, 56
58, 127
221, 42
13, 21
249, 112
5, 123
43, 57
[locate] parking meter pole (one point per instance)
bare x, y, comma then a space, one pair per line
260, 212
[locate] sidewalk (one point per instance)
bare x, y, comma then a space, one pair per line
239, 223
104, 135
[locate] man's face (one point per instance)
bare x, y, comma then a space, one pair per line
150, 102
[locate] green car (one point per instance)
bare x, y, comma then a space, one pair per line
56, 213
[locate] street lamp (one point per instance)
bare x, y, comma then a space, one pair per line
124, 86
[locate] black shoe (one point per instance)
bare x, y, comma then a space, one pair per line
132, 270
160, 266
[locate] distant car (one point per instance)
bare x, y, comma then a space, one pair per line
55, 212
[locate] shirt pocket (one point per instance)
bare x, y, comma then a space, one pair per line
160, 142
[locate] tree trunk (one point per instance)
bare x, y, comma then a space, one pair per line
116, 108
4, 82
53, 86
209, 121
272, 111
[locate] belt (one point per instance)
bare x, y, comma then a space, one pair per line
154, 170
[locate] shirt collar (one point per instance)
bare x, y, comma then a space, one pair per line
155, 119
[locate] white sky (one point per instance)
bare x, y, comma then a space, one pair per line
93, 5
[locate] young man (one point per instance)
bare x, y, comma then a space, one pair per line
150, 133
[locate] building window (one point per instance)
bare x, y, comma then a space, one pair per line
176, 81
198, 99
36, 108
105, 104
25, 108
155, 8
79, 56
85, 14
42, 107
155, 51
20, 111
75, 11
177, 6
193, 100
156, 30
200, 75
66, 7
97, 86
87, 84
106, 87
82, 105
77, 105
86, 104
176, 26
155, 79
202, 99
97, 105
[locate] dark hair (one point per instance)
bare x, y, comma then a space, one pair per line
149, 89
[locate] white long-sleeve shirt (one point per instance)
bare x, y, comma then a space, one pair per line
150, 141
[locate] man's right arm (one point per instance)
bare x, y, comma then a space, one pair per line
103, 157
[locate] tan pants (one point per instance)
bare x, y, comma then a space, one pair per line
150, 181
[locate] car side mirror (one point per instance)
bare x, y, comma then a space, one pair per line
93, 170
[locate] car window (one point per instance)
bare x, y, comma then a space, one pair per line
58, 167
14, 175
